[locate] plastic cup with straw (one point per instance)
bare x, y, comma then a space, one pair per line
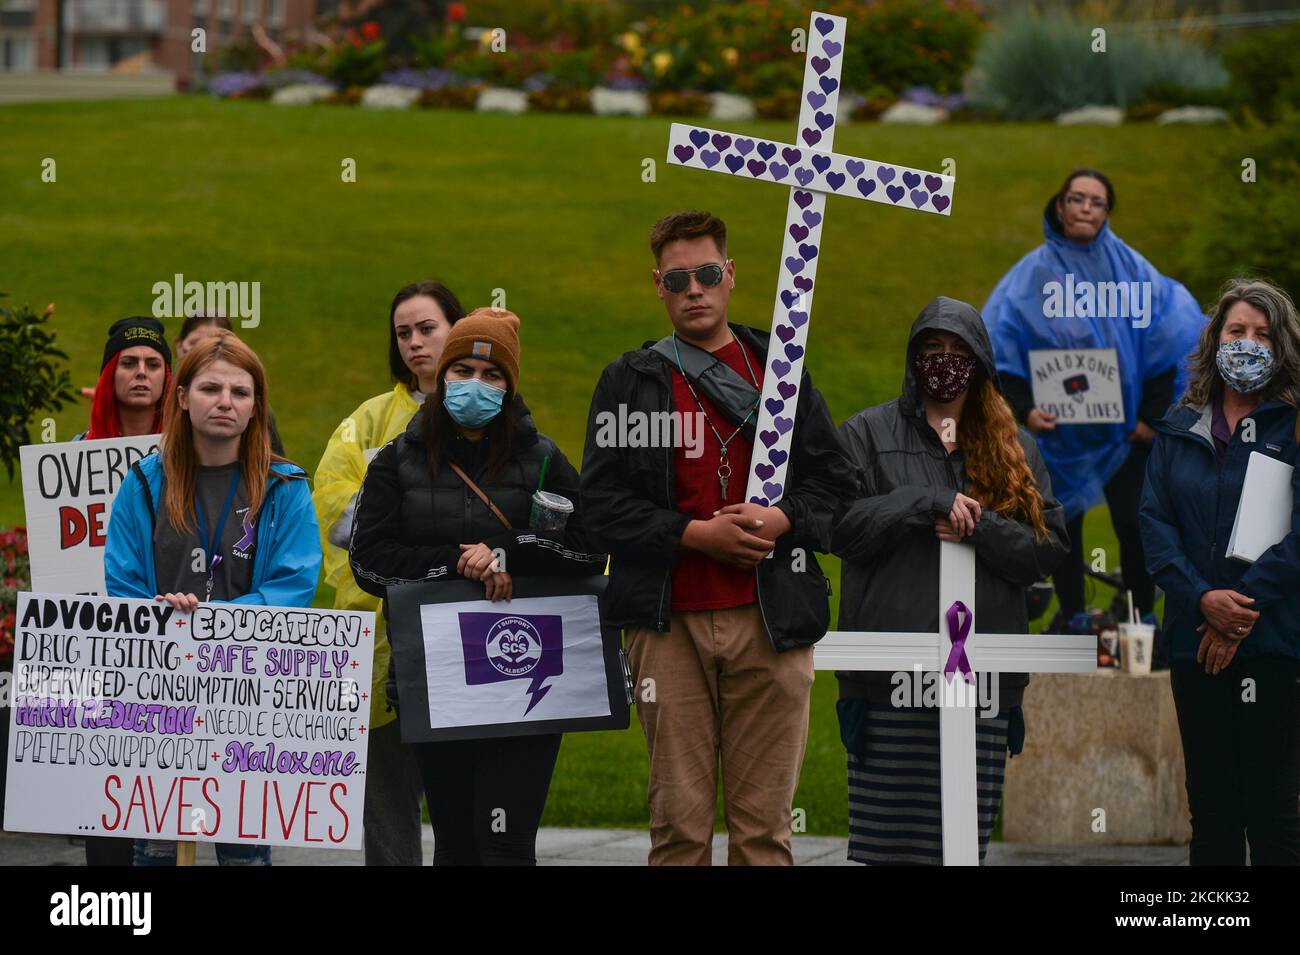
550, 511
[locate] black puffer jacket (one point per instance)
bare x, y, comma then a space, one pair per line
630, 505
890, 575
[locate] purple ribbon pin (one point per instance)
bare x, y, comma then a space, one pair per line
957, 634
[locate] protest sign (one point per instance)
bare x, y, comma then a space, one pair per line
1078, 385
235, 723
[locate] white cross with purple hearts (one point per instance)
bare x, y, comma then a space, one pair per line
825, 173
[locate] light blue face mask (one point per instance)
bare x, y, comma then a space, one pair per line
472, 402
1245, 364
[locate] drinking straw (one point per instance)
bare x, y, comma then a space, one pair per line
1131, 617
546, 462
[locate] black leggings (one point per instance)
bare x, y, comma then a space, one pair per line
1243, 759
486, 797
1123, 495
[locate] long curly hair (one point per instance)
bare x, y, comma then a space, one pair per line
996, 466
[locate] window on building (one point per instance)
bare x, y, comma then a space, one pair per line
275, 13
200, 9
250, 11
17, 54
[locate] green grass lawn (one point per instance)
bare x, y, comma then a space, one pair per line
552, 210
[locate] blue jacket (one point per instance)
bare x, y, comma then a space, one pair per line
1188, 507
286, 563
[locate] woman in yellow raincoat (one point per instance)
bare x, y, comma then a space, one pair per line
420, 317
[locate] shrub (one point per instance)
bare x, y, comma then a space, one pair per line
1265, 68
356, 64
679, 103
450, 97
15, 576
31, 377
783, 104
560, 99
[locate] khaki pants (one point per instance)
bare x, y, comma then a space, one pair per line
721, 690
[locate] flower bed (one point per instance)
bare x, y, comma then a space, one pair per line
15, 575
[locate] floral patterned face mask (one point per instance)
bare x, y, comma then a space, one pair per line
1245, 364
944, 376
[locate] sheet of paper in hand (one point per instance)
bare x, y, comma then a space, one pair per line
1264, 511
1079, 385
68, 490
541, 662
234, 723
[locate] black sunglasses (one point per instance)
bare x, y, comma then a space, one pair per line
679, 280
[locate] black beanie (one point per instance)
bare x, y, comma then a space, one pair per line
136, 330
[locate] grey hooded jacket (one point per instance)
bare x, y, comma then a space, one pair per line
890, 574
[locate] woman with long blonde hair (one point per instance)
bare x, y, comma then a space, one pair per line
945, 461
215, 488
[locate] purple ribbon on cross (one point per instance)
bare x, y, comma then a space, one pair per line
959, 624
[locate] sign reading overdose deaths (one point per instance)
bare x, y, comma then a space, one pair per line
235, 723
68, 489
1078, 385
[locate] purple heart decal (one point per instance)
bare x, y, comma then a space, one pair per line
816, 100
885, 173
809, 252
825, 120
768, 438
803, 285
744, 146
780, 368
776, 456
820, 64
683, 153
828, 84
756, 167
794, 265
791, 155
760, 501
855, 167
802, 199
812, 218
793, 351
798, 232
798, 318
774, 405
933, 183
789, 298
866, 186
920, 197
786, 389
895, 193
821, 163
710, 157
764, 471
699, 137
940, 202
778, 170
824, 25
721, 142
734, 162
811, 136
911, 180
785, 333
835, 180
771, 489
803, 176
782, 425
831, 48
767, 150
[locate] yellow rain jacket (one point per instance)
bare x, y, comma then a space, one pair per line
338, 478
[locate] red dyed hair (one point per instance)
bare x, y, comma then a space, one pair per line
104, 419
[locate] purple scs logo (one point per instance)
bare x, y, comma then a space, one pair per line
502, 647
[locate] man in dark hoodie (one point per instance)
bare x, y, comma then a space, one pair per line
720, 600
945, 461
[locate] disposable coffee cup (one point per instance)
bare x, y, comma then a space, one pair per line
1136, 644
550, 512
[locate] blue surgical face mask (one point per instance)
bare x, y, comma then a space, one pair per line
1245, 364
472, 402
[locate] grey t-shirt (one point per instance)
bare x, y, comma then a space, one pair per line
178, 556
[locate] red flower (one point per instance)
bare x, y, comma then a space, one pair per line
370, 30
455, 12
353, 37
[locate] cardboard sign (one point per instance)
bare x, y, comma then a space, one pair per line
1078, 385
68, 491
235, 724
541, 662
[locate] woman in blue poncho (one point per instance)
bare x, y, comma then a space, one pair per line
1084, 288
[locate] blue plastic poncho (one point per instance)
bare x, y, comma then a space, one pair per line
1082, 458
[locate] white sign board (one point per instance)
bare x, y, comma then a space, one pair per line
68, 491
1078, 385
234, 724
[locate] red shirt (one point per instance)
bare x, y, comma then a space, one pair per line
699, 581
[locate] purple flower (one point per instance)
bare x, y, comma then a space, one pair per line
624, 82
433, 78
925, 96
233, 84
278, 79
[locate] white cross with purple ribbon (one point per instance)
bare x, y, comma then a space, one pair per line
812, 171
959, 652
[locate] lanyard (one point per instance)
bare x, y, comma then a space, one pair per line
210, 551
724, 464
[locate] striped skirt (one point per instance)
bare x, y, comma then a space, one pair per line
894, 802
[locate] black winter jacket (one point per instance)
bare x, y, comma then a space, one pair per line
890, 575
629, 500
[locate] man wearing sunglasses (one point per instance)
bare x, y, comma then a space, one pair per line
720, 600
